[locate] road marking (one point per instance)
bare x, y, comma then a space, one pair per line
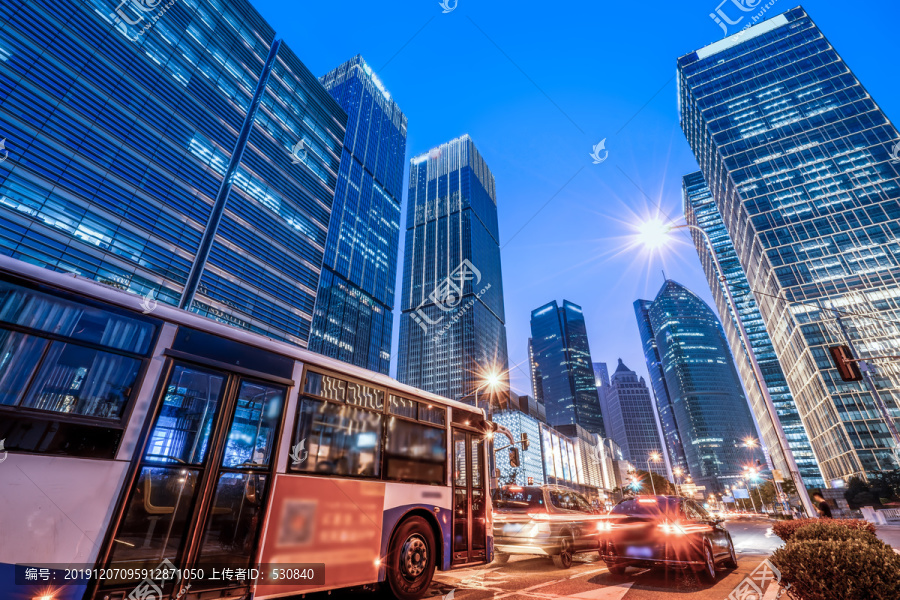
770, 532
612, 592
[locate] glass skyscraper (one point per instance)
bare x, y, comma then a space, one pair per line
797, 157
353, 319
452, 331
560, 353
700, 210
155, 151
707, 399
631, 420
674, 445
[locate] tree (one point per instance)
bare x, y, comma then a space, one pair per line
661, 484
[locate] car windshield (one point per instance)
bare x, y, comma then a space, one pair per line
647, 507
569, 500
518, 499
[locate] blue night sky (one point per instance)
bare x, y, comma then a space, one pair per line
536, 84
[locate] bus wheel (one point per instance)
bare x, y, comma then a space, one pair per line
411, 557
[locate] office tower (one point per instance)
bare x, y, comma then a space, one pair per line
562, 356
535, 373
797, 157
452, 331
631, 420
166, 163
665, 410
707, 398
601, 376
353, 319
700, 210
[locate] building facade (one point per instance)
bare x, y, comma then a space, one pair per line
562, 366
797, 157
710, 408
452, 329
162, 163
631, 420
700, 210
665, 410
353, 318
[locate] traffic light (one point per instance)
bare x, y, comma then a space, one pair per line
524, 442
514, 458
845, 364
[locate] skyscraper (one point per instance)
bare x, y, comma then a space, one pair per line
165, 163
700, 210
631, 420
797, 156
708, 402
562, 356
674, 445
452, 330
353, 319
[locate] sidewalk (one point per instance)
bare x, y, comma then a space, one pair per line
890, 534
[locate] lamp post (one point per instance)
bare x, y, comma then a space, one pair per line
654, 456
678, 472
659, 230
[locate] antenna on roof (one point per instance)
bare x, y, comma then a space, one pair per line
664, 275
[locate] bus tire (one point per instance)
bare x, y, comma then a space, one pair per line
411, 559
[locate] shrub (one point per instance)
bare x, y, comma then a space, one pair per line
839, 570
829, 529
786, 529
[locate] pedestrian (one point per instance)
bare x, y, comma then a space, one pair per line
822, 506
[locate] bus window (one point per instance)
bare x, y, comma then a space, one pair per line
340, 439
415, 453
256, 421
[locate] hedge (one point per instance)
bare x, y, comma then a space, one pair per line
831, 530
839, 570
786, 529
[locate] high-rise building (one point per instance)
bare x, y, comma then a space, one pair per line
159, 152
561, 354
452, 331
353, 319
631, 420
531, 407
706, 395
535, 373
797, 157
674, 447
700, 210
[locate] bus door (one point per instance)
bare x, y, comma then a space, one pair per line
198, 494
469, 498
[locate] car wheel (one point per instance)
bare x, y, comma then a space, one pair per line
731, 561
410, 561
563, 560
501, 558
708, 573
616, 569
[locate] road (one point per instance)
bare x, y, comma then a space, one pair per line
536, 578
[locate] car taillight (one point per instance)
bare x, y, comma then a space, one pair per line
672, 528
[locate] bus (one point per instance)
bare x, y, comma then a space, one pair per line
149, 453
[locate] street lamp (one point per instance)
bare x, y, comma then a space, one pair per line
654, 456
654, 234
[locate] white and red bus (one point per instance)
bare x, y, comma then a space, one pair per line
140, 436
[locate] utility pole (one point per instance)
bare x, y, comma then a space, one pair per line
870, 383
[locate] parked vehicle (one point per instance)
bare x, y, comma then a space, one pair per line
667, 531
546, 520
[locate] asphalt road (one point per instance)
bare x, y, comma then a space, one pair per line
588, 579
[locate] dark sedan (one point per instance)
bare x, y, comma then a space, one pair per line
667, 531
549, 520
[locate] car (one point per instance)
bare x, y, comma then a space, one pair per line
546, 520
669, 532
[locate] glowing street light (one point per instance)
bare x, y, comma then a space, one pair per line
655, 457
654, 234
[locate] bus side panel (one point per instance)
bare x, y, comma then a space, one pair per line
55, 510
400, 498
323, 520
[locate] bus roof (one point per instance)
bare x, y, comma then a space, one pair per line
72, 282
